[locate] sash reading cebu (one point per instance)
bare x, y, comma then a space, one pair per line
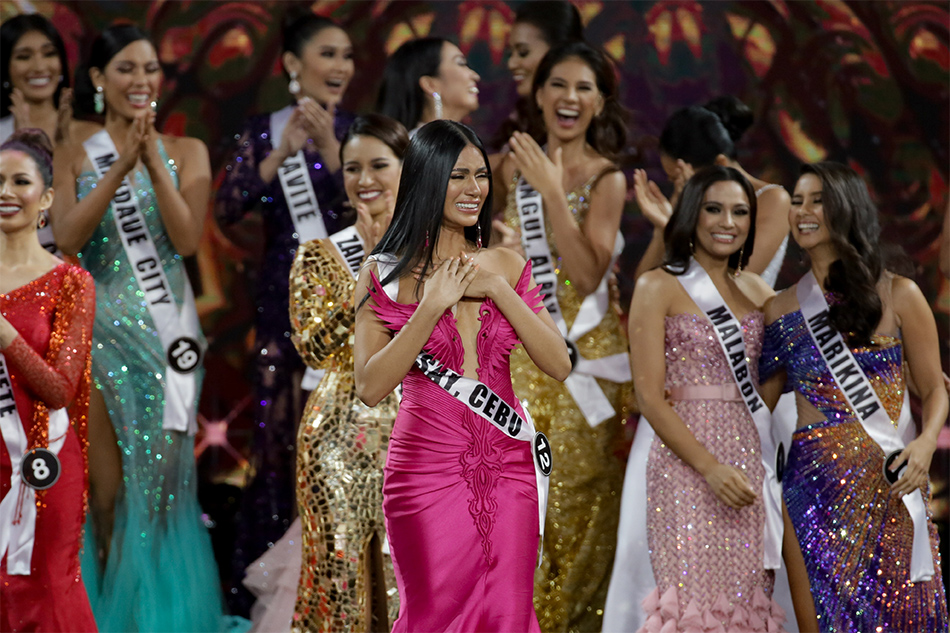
18, 508
177, 329
581, 383
864, 402
703, 291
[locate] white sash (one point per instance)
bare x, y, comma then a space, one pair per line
18, 508
178, 330
581, 383
728, 330
488, 405
302, 205
863, 401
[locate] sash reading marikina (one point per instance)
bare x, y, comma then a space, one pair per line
581, 383
485, 403
18, 508
302, 204
860, 396
178, 329
703, 291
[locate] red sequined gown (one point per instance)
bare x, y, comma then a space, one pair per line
49, 369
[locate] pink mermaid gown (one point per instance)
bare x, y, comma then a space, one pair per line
707, 557
459, 496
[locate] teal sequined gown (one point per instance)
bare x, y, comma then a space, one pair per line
161, 573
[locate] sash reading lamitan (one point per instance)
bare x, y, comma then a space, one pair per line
178, 329
581, 383
728, 330
867, 407
18, 508
302, 204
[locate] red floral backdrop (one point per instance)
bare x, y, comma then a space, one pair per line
864, 83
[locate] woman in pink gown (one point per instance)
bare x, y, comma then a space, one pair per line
705, 498
460, 496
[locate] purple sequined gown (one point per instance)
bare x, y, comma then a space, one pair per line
855, 537
707, 557
268, 504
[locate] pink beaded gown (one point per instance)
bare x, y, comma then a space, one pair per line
706, 556
459, 497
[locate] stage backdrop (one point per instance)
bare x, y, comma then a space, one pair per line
865, 83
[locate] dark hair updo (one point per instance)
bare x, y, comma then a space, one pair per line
10, 33
698, 135
852, 222
680, 230
400, 95
36, 144
107, 45
558, 21
607, 132
388, 131
300, 26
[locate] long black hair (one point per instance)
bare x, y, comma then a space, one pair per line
107, 45
681, 229
607, 132
10, 33
417, 218
400, 95
852, 222
698, 134
559, 22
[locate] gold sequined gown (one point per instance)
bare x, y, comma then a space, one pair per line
584, 503
346, 582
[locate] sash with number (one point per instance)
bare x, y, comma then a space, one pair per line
178, 329
18, 508
483, 402
861, 398
728, 331
581, 383
302, 204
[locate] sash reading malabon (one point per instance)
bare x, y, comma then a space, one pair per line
177, 329
867, 407
302, 204
18, 508
581, 383
703, 292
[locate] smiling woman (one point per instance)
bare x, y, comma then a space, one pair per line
302, 138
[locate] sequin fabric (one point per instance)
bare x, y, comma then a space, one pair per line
161, 551
48, 365
268, 505
584, 504
856, 538
346, 583
706, 556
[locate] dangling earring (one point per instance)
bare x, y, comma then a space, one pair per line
478, 241
692, 249
99, 101
437, 98
427, 238
294, 85
42, 220
739, 266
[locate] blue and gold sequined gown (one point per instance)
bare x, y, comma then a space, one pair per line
587, 479
855, 536
160, 574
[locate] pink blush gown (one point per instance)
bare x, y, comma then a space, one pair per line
460, 497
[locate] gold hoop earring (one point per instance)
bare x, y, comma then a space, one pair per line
739, 266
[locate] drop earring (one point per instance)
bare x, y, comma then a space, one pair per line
692, 249
739, 265
437, 98
294, 85
99, 101
42, 220
478, 241
427, 238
